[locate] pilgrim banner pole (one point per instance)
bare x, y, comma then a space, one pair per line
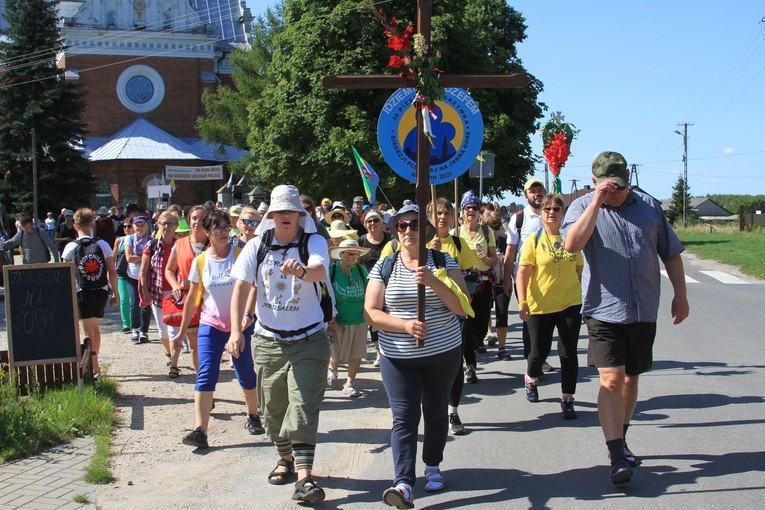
422, 179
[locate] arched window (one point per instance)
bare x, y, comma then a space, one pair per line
103, 195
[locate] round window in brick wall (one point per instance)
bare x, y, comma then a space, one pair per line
140, 89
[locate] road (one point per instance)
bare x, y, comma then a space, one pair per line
698, 427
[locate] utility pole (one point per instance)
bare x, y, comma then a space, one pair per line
634, 173
34, 178
684, 134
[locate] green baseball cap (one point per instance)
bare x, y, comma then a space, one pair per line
611, 166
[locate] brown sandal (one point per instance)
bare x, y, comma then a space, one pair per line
282, 477
175, 372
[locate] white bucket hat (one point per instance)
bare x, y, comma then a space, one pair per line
285, 197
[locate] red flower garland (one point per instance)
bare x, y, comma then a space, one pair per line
557, 151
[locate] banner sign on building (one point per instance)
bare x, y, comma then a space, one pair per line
457, 135
194, 173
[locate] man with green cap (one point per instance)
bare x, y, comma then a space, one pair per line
621, 231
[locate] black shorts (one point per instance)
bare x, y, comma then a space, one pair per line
615, 345
92, 303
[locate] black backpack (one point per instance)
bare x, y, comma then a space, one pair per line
439, 259
325, 298
90, 263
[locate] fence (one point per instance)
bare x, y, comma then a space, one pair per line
46, 376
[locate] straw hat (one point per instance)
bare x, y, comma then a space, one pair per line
338, 228
348, 245
337, 208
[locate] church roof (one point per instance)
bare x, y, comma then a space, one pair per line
143, 140
226, 19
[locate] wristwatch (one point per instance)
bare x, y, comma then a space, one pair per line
305, 272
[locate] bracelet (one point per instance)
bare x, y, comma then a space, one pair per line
249, 316
305, 272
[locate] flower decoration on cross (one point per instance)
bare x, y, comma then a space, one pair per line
557, 136
414, 62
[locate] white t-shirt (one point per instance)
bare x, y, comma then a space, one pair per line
219, 285
531, 223
71, 247
285, 302
134, 268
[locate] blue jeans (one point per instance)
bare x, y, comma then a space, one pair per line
418, 387
139, 317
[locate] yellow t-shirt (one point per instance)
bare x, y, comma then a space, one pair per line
470, 259
555, 285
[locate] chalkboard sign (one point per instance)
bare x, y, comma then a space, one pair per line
41, 313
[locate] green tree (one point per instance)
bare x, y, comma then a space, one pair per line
302, 133
35, 95
675, 212
226, 109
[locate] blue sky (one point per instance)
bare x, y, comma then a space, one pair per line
627, 73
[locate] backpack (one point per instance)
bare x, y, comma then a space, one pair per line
325, 298
357, 266
91, 265
455, 239
439, 259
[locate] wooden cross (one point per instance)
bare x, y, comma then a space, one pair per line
386, 81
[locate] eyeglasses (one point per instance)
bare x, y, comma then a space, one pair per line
471, 208
373, 220
552, 209
414, 225
249, 223
223, 228
167, 224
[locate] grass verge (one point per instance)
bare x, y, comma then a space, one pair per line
741, 249
39, 421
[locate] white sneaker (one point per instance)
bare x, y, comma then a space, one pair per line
376, 362
331, 377
350, 391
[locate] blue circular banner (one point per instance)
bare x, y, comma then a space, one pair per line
457, 135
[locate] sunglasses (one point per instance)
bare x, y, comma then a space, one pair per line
470, 208
373, 220
250, 223
552, 209
414, 225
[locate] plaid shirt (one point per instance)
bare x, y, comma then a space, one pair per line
621, 279
156, 279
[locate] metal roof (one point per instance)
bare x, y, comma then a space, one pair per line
143, 140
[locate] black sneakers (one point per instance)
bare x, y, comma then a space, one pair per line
532, 394
567, 407
254, 426
196, 438
621, 472
455, 424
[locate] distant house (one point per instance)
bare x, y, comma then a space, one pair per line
705, 208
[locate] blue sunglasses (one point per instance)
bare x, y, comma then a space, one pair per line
250, 223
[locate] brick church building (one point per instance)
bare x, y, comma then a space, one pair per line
144, 65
